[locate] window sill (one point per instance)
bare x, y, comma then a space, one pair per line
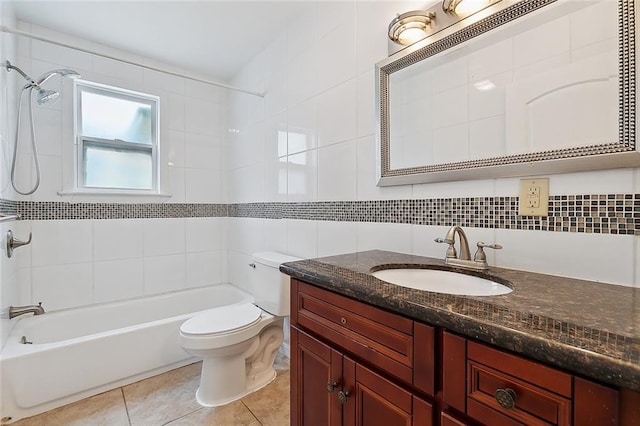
113, 193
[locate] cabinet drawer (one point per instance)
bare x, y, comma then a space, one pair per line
382, 338
538, 396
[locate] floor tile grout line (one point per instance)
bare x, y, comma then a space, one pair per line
126, 407
252, 413
184, 415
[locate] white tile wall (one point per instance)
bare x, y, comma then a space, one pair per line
302, 238
384, 236
118, 279
321, 169
320, 84
118, 239
204, 234
337, 171
203, 268
63, 286
58, 242
164, 273
337, 114
164, 236
337, 238
604, 258
78, 262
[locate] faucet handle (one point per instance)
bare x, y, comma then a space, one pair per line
451, 251
480, 255
443, 240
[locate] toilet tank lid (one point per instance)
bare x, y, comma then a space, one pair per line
272, 258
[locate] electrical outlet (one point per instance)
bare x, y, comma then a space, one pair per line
534, 197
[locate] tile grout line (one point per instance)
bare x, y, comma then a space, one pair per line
252, 413
126, 407
183, 416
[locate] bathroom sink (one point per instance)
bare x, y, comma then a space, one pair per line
440, 281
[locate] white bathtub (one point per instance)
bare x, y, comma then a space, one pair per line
81, 352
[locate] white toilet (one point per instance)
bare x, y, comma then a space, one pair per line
238, 343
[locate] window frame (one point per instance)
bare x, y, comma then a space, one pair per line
82, 86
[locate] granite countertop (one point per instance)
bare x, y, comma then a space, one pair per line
589, 328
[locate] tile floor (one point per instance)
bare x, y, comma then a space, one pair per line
169, 399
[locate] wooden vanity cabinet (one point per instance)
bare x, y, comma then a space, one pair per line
329, 388
354, 364
357, 365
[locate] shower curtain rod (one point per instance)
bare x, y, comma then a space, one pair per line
5, 29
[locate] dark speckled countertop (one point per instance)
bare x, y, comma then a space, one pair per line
589, 328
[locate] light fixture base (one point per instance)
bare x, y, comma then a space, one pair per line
424, 23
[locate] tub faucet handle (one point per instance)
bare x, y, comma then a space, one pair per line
14, 243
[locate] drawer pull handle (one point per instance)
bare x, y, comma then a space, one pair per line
343, 396
506, 398
332, 386
343, 320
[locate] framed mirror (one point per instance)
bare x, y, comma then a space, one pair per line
525, 88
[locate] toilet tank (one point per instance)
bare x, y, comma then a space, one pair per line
270, 287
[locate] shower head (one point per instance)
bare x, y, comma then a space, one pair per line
61, 72
45, 96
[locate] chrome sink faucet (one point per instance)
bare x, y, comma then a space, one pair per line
15, 311
479, 259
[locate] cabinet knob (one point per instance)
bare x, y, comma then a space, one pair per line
343, 396
506, 398
343, 320
332, 386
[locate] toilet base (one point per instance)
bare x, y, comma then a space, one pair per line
247, 368
207, 402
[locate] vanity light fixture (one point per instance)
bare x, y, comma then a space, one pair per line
410, 27
464, 7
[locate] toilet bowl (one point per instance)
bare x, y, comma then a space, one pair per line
238, 343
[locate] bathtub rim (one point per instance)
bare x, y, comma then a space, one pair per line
13, 348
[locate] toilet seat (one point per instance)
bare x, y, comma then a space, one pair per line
222, 320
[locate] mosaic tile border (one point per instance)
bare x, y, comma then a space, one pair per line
617, 214
53, 210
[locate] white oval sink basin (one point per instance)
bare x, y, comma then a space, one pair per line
442, 282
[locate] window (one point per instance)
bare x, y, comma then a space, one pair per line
117, 139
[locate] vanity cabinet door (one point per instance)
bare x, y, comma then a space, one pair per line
375, 401
594, 404
315, 382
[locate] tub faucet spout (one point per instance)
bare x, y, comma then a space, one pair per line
15, 311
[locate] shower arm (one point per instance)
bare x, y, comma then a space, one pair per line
9, 66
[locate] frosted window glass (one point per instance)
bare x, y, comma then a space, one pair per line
107, 117
109, 167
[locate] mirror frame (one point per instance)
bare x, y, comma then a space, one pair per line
621, 154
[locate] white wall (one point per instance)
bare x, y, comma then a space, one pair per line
9, 288
79, 262
319, 82
310, 139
